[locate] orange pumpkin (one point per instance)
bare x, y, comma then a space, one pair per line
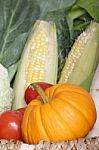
68, 112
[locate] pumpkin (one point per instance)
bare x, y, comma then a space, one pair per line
64, 112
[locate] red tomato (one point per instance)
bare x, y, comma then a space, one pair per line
31, 93
22, 110
10, 125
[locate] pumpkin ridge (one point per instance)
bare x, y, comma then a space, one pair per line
55, 90
30, 128
80, 94
68, 90
55, 114
74, 91
71, 87
26, 125
90, 108
63, 120
33, 138
78, 110
43, 124
31, 105
50, 92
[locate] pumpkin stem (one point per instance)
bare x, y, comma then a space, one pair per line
41, 92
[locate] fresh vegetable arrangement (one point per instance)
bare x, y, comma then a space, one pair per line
63, 114
49, 52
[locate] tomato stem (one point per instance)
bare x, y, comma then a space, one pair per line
41, 92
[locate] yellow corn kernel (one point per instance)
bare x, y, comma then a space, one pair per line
77, 49
37, 58
70, 64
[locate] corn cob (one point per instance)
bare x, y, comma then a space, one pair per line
39, 60
83, 58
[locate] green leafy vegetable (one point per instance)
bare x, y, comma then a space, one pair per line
80, 15
16, 20
12, 70
48, 6
91, 6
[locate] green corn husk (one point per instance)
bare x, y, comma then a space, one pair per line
83, 58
